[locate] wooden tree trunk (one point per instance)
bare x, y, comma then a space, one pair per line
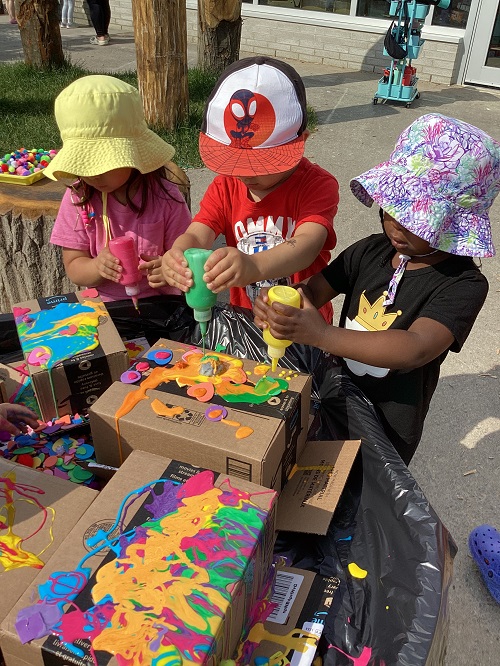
161, 49
40, 34
219, 34
30, 267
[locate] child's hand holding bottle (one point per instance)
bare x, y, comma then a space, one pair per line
107, 265
151, 267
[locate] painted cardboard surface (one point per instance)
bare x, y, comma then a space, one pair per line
292, 632
313, 489
266, 456
12, 377
80, 379
139, 469
60, 505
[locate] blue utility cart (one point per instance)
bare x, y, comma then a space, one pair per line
399, 83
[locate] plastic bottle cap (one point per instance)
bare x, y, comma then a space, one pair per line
275, 352
202, 315
132, 289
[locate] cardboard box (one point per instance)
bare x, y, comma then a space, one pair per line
244, 548
16, 385
72, 348
291, 633
38, 512
274, 423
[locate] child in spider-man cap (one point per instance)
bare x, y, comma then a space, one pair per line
273, 206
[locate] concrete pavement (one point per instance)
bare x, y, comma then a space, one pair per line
457, 463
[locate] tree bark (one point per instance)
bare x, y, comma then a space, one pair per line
219, 34
30, 266
40, 34
161, 50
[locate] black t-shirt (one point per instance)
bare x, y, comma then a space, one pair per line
451, 292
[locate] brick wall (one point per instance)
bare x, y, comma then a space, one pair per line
438, 62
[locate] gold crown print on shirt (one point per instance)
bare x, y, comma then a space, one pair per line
370, 318
373, 317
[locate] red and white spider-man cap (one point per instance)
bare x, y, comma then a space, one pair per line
254, 119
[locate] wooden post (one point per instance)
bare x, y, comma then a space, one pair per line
161, 50
219, 34
40, 34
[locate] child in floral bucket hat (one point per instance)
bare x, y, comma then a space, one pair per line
412, 293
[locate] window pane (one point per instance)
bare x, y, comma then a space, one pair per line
334, 6
455, 16
373, 8
493, 57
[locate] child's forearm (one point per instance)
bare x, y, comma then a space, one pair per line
394, 349
292, 256
83, 271
197, 235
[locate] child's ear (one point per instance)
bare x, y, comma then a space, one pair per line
306, 134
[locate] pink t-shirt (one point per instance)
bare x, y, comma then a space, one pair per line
164, 219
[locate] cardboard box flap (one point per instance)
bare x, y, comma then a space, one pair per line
313, 489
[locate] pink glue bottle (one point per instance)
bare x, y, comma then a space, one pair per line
123, 248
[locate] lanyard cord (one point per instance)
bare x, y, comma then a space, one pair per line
105, 218
398, 274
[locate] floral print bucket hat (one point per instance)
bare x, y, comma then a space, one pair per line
439, 183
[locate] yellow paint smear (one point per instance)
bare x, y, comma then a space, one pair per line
315, 468
356, 572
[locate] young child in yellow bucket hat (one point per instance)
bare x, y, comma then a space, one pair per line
118, 185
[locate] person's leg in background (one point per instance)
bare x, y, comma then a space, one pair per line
11, 10
100, 15
67, 13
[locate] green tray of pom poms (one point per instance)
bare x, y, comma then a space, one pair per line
24, 167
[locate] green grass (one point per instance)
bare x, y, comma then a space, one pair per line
27, 101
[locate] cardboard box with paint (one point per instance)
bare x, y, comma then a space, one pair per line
72, 349
253, 426
16, 385
291, 633
230, 518
38, 512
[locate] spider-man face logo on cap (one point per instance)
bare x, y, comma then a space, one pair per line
240, 119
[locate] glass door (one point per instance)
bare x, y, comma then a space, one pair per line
483, 66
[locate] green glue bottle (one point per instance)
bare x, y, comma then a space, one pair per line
287, 296
199, 297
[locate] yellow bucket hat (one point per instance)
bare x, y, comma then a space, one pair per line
102, 126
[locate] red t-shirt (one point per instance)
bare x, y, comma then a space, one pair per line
311, 194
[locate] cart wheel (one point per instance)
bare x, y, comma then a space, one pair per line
417, 96
375, 100
408, 104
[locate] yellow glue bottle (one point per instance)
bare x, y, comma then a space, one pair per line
287, 296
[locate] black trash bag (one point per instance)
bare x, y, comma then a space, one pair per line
398, 614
